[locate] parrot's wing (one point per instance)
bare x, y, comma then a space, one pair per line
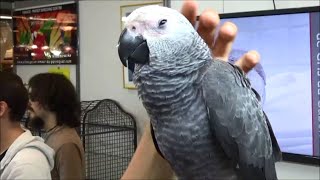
238, 121
276, 148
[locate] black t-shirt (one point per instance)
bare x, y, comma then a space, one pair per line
2, 155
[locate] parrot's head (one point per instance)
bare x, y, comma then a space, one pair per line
157, 38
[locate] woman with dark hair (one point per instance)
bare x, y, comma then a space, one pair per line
55, 107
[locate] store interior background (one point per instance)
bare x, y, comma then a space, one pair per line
99, 72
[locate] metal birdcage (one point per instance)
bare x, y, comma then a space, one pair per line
109, 136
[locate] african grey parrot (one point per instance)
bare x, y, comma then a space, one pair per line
206, 119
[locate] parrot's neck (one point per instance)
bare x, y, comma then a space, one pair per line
167, 99
172, 62
166, 94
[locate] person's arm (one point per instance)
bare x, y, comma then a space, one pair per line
69, 163
146, 163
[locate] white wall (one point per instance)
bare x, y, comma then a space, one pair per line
216, 5
228, 6
100, 67
27, 71
280, 4
295, 171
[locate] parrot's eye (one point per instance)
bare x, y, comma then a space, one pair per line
162, 22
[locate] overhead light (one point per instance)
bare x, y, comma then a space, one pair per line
34, 46
67, 48
66, 28
5, 17
45, 47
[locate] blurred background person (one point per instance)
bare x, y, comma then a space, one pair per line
55, 108
22, 156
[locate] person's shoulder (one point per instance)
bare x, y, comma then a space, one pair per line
29, 163
31, 149
69, 147
30, 155
64, 136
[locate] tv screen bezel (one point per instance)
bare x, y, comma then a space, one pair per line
290, 157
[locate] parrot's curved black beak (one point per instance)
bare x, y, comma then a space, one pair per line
132, 48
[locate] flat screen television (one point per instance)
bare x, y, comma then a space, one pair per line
288, 75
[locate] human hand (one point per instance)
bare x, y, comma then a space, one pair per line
221, 46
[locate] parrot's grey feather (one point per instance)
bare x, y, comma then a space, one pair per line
180, 122
256, 76
207, 121
238, 121
276, 148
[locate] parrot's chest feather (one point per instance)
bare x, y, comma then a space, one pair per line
168, 97
179, 116
178, 119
